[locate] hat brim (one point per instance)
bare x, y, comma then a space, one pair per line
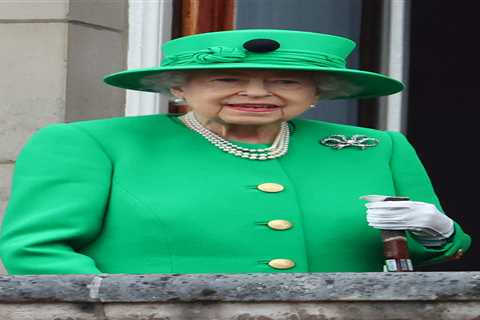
367, 84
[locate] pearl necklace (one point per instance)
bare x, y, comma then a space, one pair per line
276, 150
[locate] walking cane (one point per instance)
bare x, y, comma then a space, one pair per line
395, 248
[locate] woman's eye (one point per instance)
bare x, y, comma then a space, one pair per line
286, 81
227, 79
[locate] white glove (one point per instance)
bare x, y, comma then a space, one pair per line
422, 219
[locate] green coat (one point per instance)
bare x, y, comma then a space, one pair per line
148, 195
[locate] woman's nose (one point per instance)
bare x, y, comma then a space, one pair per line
256, 87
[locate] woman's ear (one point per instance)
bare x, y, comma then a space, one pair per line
177, 92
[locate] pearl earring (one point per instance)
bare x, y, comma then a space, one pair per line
178, 101
312, 106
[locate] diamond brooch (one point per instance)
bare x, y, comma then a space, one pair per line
338, 141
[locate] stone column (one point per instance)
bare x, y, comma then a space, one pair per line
53, 57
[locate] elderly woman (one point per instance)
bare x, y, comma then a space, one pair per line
238, 184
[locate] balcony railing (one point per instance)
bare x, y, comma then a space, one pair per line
248, 296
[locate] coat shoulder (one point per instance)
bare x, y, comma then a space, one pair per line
125, 123
112, 131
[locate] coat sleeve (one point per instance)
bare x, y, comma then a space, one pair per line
411, 180
60, 190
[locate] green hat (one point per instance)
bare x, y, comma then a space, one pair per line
261, 49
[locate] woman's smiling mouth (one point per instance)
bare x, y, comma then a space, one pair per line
252, 107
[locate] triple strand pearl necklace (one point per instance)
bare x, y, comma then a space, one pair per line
276, 150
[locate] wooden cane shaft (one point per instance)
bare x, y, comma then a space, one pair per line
395, 248
394, 244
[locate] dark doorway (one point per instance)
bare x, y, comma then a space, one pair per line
444, 113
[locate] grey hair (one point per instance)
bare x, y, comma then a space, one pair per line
329, 86
163, 82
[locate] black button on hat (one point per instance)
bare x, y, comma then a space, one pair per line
261, 45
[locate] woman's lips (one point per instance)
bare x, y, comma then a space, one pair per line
250, 107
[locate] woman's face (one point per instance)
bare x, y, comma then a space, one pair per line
248, 97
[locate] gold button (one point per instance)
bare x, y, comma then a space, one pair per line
270, 187
279, 224
281, 263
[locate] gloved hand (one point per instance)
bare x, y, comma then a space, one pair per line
422, 219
